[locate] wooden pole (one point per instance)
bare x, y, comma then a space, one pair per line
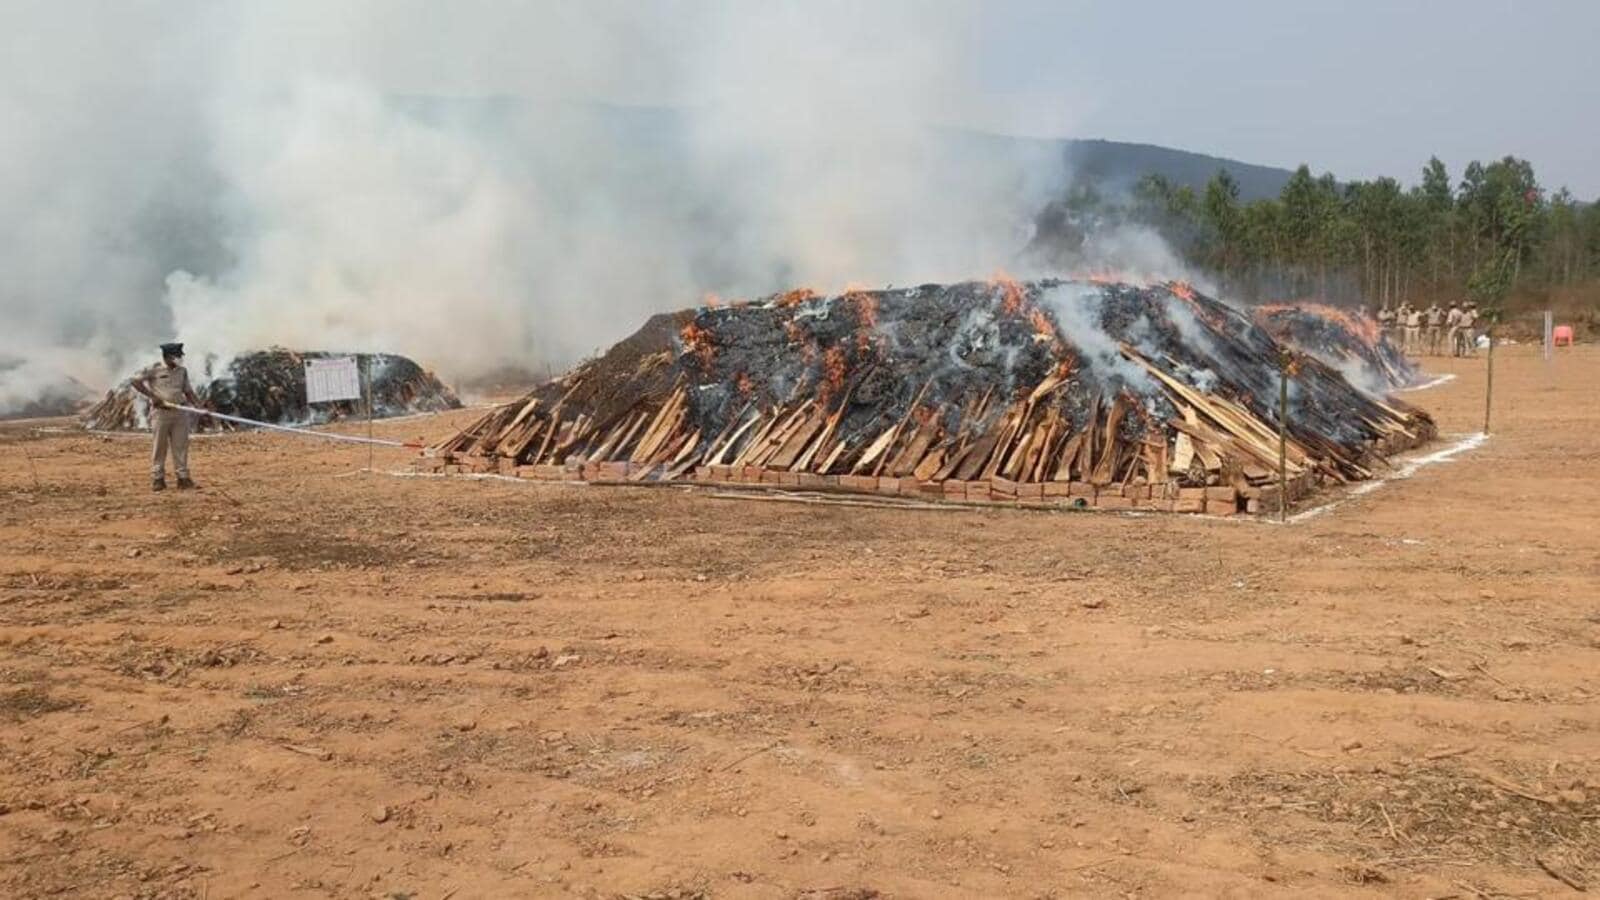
1488, 386
1283, 441
369, 412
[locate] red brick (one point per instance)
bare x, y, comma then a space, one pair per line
790, 478
1225, 493
769, 476
749, 475
979, 491
614, 470
1136, 491
858, 482
1028, 491
1189, 505
812, 480
1191, 493
888, 485
1004, 487
1057, 489
1082, 489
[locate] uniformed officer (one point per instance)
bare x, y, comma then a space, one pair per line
1452, 322
1469, 330
166, 384
1413, 330
1435, 328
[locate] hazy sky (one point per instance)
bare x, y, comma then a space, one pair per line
242, 173
1358, 88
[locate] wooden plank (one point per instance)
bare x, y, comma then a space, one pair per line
797, 441
1067, 455
930, 465
909, 458
876, 448
767, 424
953, 459
733, 441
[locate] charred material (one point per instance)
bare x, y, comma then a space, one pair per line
1349, 340
270, 386
1078, 392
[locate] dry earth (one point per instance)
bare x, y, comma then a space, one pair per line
310, 682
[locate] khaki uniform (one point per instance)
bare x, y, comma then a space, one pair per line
1414, 332
1435, 333
169, 426
1452, 322
1468, 334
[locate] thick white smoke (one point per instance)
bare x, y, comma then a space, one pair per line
475, 185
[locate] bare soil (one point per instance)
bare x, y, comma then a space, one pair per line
307, 681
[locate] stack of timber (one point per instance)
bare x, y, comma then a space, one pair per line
1052, 392
270, 386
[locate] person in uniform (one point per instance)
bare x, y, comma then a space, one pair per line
165, 385
1469, 330
1413, 330
1452, 323
1435, 328
1386, 322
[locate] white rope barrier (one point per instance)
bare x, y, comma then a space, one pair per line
352, 439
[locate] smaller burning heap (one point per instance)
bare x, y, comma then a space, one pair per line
1349, 340
1062, 392
270, 386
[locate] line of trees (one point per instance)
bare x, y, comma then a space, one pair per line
1495, 237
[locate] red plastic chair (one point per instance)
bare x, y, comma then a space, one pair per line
1562, 335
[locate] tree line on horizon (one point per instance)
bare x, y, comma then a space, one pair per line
1495, 237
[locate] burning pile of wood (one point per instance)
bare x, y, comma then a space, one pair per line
1347, 339
1051, 392
270, 386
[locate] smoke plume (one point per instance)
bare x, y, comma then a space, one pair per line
480, 185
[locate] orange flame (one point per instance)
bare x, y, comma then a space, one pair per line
1041, 324
1011, 293
796, 297
866, 307
834, 370
1363, 326
1183, 289
698, 341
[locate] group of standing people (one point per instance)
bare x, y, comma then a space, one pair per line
1432, 331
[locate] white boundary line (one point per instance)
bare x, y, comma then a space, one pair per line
1411, 467
1442, 379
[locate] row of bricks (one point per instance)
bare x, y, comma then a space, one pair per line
1167, 498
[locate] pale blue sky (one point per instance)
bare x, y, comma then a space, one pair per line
1359, 88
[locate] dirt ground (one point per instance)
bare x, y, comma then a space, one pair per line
311, 682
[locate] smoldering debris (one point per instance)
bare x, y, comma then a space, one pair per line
1349, 340
1084, 393
270, 386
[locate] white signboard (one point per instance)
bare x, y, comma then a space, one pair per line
333, 378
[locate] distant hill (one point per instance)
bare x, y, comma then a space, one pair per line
1110, 166
1114, 165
